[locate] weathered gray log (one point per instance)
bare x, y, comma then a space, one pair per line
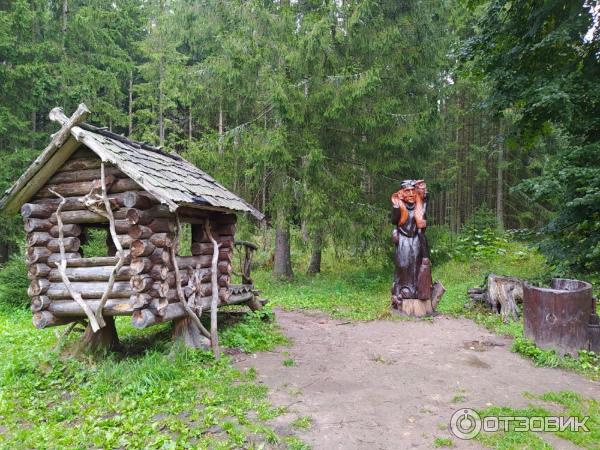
92, 289
39, 303
77, 164
140, 247
144, 217
86, 216
144, 318
31, 225
162, 226
44, 319
71, 244
139, 231
141, 200
226, 242
96, 261
38, 238
122, 226
141, 265
199, 233
202, 261
162, 239
159, 273
83, 175
69, 230
502, 294
84, 187
70, 308
140, 300
204, 248
99, 273
37, 254
160, 256
37, 211
141, 283
125, 240
54, 258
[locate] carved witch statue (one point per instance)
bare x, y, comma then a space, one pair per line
413, 292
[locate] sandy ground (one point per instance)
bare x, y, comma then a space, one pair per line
395, 384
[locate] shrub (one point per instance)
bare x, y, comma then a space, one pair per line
14, 282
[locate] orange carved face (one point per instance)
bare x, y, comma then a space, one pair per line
408, 195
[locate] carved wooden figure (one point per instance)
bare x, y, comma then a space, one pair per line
413, 292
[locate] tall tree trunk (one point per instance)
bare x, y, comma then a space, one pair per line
314, 266
161, 124
130, 106
220, 126
64, 15
282, 266
190, 126
500, 185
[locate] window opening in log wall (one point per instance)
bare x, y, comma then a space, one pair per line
185, 240
96, 241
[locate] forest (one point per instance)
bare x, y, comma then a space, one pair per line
315, 112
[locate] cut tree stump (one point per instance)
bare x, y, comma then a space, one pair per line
186, 332
103, 341
501, 293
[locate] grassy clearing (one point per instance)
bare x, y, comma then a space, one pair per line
569, 404
150, 396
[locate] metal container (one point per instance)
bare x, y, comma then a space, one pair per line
558, 318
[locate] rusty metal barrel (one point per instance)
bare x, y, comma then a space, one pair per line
558, 318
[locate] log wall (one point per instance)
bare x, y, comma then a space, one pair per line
145, 287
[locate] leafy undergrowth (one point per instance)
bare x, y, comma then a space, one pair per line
565, 404
151, 395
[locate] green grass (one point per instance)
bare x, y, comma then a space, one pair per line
569, 404
439, 442
151, 396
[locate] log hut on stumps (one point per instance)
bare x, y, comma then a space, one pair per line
89, 178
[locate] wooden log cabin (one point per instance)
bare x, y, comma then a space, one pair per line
89, 178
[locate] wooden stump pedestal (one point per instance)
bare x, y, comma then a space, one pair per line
413, 307
102, 341
186, 332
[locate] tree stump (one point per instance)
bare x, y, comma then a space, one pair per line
186, 332
501, 293
103, 341
413, 307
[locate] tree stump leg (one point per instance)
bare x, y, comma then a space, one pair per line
186, 332
255, 304
102, 341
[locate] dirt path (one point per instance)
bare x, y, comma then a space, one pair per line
395, 384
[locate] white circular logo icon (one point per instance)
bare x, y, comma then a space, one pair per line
465, 423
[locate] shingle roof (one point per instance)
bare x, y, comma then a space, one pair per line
170, 178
